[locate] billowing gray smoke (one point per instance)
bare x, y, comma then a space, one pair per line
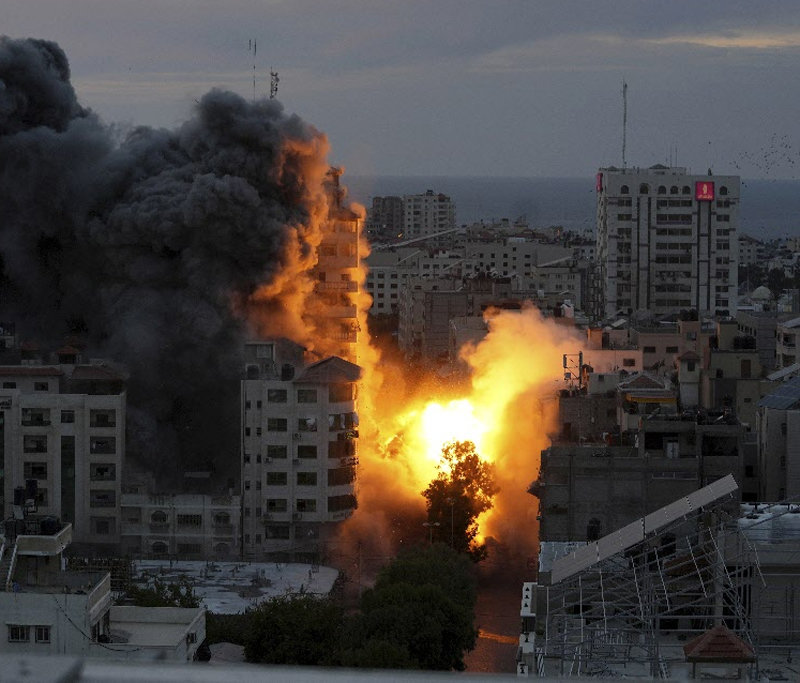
148, 248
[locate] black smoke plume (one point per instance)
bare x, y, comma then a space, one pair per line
149, 248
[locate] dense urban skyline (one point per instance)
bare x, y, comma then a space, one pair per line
502, 89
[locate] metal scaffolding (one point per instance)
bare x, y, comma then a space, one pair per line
626, 604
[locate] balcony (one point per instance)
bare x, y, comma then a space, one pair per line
342, 286
42, 545
341, 311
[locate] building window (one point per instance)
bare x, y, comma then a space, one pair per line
276, 395
649, 349
339, 503
277, 531
42, 634
276, 452
723, 190
190, 520
644, 188
18, 634
102, 445
35, 470
103, 526
34, 443
41, 386
102, 499
102, 418
305, 451
277, 505
106, 471
624, 190
67, 416
307, 424
158, 517
628, 362
306, 478
277, 424
306, 395
222, 519
9, 385
686, 189
190, 549
672, 349
41, 497
306, 504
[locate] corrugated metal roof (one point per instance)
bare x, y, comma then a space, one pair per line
786, 396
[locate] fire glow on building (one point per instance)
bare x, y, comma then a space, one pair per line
182, 245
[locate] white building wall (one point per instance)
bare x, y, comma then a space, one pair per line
38, 449
660, 247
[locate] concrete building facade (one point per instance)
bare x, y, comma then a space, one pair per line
183, 526
299, 450
62, 435
667, 240
427, 214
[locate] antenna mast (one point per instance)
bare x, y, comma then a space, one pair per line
624, 121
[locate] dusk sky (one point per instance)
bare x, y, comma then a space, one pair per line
458, 87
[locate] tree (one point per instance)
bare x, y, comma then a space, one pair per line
419, 615
160, 594
297, 629
463, 489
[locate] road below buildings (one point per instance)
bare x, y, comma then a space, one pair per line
497, 617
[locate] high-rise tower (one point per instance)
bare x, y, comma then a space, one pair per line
667, 241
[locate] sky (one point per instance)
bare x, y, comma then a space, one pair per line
458, 87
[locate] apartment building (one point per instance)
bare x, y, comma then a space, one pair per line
427, 214
751, 251
786, 338
48, 610
333, 310
778, 428
667, 240
299, 450
385, 218
62, 443
180, 525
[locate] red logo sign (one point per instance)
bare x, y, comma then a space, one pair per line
598, 182
704, 191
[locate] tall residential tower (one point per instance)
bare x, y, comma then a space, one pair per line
667, 241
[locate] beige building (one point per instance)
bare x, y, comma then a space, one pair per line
299, 450
427, 214
62, 443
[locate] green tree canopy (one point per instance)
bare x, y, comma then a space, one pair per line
297, 629
161, 594
419, 614
463, 488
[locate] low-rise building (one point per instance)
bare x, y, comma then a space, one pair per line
181, 525
49, 610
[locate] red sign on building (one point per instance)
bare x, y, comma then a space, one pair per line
704, 191
598, 182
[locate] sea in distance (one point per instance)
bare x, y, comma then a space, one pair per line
769, 208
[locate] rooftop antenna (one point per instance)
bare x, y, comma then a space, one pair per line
624, 121
252, 46
273, 84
